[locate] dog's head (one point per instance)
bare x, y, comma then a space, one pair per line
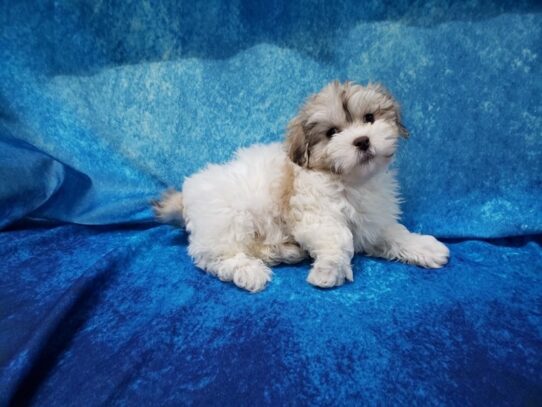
346, 127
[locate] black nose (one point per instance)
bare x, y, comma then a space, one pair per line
362, 143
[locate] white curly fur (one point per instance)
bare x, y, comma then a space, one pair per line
314, 196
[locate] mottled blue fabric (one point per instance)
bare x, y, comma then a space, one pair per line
105, 104
104, 315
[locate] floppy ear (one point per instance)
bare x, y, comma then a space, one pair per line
297, 144
396, 107
402, 129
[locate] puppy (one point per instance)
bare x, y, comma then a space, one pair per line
326, 192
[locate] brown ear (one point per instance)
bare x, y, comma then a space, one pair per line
402, 129
396, 107
297, 144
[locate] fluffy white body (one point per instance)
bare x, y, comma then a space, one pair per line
263, 208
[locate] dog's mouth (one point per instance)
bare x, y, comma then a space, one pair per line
368, 156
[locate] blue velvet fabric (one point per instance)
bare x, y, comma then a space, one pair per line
105, 104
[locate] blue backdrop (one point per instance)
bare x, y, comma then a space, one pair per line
105, 104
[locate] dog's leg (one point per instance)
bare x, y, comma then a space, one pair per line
331, 246
246, 272
400, 244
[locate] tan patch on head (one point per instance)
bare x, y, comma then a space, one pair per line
344, 100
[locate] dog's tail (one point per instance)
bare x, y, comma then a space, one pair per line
169, 209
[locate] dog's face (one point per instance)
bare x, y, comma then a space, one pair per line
346, 128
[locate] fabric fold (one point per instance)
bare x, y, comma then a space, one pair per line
24, 371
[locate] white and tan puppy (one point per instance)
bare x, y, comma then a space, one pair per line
326, 193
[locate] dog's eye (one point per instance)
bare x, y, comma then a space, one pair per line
331, 132
369, 118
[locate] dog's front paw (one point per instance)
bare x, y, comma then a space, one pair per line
425, 251
328, 275
253, 277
